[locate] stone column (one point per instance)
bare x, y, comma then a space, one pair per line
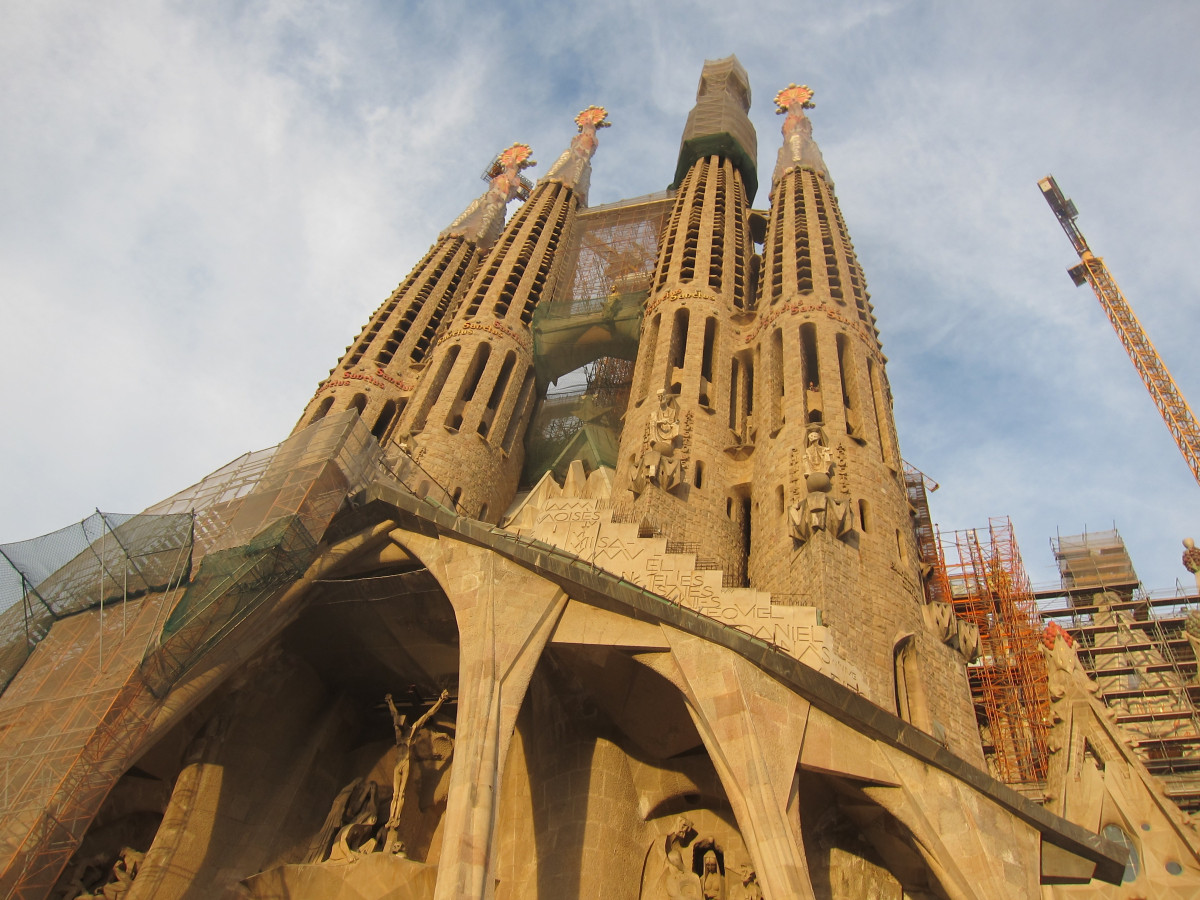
753, 729
505, 616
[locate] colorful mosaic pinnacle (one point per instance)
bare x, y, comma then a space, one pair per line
515, 157
593, 117
794, 95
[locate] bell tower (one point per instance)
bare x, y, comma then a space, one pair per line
378, 373
469, 413
685, 451
832, 527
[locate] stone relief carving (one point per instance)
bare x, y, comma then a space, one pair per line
352, 828
676, 881
817, 509
400, 776
682, 866
750, 888
659, 463
712, 881
1191, 559
118, 880
360, 818
956, 633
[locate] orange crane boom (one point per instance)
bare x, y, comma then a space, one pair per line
1163, 390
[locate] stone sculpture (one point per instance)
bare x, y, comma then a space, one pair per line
400, 775
676, 880
750, 888
818, 510
120, 878
659, 464
360, 817
1191, 560
712, 882
1191, 630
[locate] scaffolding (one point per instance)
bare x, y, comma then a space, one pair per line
1094, 561
1136, 647
919, 486
599, 286
986, 581
137, 603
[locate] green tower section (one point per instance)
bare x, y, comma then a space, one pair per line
718, 124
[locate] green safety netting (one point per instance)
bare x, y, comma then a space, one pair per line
107, 558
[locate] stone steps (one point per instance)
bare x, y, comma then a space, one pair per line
577, 517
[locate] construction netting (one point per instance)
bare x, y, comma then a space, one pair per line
107, 558
1094, 560
594, 306
137, 600
583, 423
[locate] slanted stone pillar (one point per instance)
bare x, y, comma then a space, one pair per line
753, 730
505, 616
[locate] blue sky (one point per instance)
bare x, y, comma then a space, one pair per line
200, 204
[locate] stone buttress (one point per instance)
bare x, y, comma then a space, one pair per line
380, 369
468, 417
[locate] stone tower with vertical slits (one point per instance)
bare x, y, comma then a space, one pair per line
831, 524
684, 464
466, 423
381, 368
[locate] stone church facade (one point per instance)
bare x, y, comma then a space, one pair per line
689, 657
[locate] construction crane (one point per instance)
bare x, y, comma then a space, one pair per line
1163, 390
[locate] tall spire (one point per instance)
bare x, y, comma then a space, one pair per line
468, 415
799, 150
482, 221
719, 125
574, 168
376, 374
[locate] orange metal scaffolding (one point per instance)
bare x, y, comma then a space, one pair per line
986, 579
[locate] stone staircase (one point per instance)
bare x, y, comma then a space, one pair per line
577, 517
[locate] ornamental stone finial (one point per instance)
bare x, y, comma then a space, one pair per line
483, 220
799, 149
573, 168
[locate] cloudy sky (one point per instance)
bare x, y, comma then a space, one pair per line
200, 204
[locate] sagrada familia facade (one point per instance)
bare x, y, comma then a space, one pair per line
671, 641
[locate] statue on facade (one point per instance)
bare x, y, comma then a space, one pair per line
818, 509
360, 816
1191, 560
750, 888
675, 879
659, 464
712, 882
1191, 630
400, 775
